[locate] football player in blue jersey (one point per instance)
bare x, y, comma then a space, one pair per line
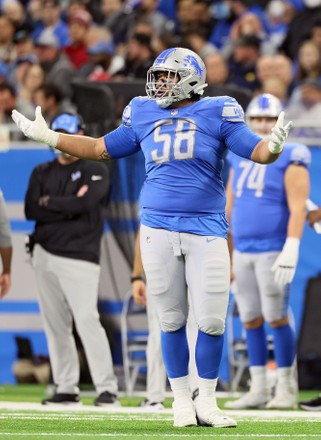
267, 212
183, 231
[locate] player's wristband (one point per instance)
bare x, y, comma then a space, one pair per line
51, 138
291, 245
138, 278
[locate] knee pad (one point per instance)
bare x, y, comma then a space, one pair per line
172, 322
212, 325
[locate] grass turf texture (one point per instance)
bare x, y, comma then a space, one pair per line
66, 424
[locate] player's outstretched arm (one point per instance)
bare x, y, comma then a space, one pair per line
297, 187
267, 151
80, 146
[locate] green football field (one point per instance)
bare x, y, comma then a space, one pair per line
22, 417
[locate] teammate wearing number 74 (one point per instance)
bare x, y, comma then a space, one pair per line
183, 225
266, 206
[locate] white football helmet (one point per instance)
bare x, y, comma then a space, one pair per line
262, 112
186, 75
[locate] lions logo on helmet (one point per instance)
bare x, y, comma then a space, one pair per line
262, 113
192, 61
186, 75
264, 105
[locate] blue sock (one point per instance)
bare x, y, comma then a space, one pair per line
256, 346
175, 353
284, 345
208, 354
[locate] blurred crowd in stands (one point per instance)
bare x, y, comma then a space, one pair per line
262, 46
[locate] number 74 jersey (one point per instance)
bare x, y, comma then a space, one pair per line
260, 212
184, 151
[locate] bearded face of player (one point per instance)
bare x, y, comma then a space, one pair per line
262, 125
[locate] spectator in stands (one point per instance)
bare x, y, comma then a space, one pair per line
196, 39
4, 72
5, 249
309, 61
51, 21
51, 99
66, 198
7, 53
276, 13
20, 67
57, 67
165, 41
184, 17
316, 33
16, 12
283, 70
31, 81
300, 27
139, 57
236, 9
247, 24
279, 67
274, 86
242, 62
147, 10
101, 55
304, 107
265, 68
119, 19
8, 101
76, 50
96, 34
217, 69
23, 43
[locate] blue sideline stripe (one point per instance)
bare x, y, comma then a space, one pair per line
26, 226
21, 307
118, 225
110, 307
31, 307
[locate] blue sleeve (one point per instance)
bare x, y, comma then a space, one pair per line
300, 155
239, 138
123, 142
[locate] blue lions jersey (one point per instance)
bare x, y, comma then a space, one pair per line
184, 150
260, 212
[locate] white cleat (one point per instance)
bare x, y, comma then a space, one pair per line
284, 399
209, 414
184, 412
249, 400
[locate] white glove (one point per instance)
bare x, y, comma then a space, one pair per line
279, 134
285, 264
36, 130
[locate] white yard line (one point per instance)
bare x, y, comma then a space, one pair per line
70, 409
199, 434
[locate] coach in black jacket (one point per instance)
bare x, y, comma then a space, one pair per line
66, 197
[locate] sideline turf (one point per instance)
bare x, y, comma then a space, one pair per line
60, 425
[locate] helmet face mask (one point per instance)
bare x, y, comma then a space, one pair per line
176, 74
262, 113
